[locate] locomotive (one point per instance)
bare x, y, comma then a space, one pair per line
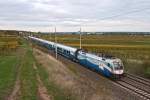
108, 66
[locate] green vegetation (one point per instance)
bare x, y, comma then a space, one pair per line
9, 64
134, 50
8, 67
17, 62
28, 77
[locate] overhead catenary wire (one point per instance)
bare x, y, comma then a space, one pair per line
125, 13
121, 14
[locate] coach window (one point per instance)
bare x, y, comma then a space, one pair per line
65, 51
68, 52
60, 49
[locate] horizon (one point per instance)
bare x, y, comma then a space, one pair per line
78, 31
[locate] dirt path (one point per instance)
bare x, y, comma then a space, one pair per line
15, 91
42, 91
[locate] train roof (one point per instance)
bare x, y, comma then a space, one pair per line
93, 56
45, 41
96, 56
66, 47
58, 45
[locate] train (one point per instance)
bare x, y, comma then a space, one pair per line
108, 66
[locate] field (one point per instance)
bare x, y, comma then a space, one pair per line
8, 44
21, 76
14, 63
134, 50
27, 73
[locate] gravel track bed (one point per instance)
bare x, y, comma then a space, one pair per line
137, 84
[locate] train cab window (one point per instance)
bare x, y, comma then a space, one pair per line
103, 59
117, 66
108, 65
83, 52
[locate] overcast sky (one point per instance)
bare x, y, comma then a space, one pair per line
69, 15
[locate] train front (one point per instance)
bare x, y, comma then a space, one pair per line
117, 68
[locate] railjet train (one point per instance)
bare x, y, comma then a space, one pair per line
108, 66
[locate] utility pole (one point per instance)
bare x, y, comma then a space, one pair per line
55, 43
50, 34
80, 38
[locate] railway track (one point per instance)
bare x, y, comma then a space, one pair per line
137, 85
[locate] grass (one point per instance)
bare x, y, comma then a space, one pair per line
29, 82
28, 76
9, 64
21, 64
14, 63
8, 67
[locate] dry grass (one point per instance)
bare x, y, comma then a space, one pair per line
8, 44
80, 87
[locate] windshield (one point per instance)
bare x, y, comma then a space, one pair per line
117, 65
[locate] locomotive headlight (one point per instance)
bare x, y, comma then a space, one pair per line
118, 72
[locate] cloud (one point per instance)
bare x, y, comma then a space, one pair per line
95, 15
